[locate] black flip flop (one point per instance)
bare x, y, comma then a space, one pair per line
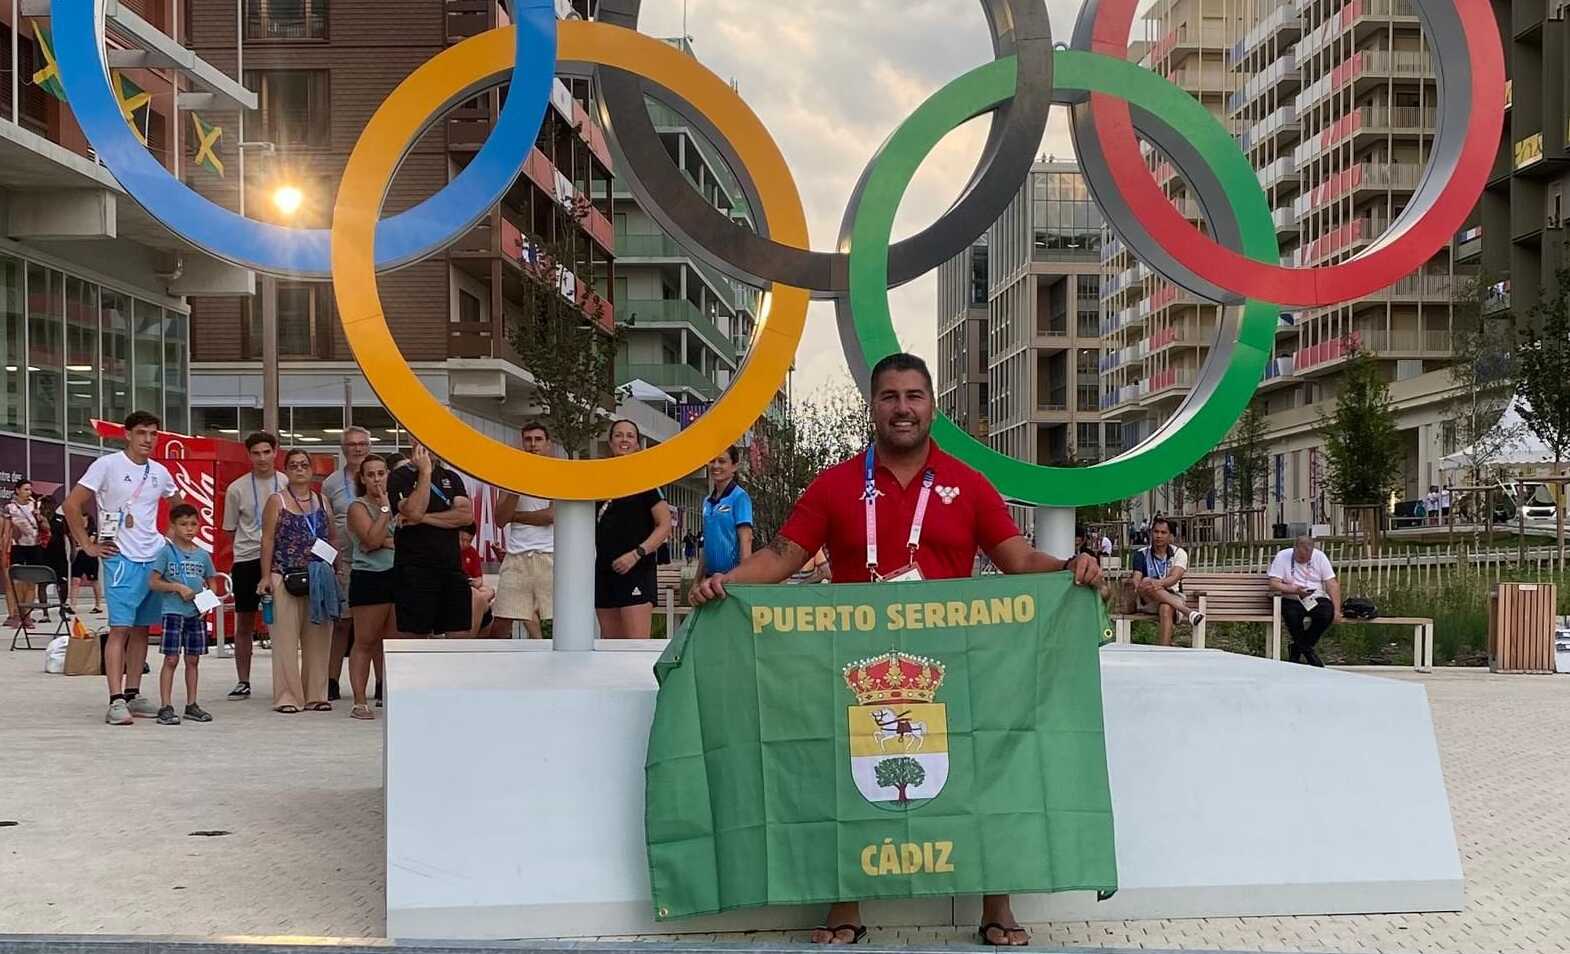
858, 934
981, 932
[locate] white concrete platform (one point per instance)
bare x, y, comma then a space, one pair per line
514, 795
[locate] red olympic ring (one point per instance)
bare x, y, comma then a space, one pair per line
1378, 267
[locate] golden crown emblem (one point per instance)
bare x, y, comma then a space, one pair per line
894, 677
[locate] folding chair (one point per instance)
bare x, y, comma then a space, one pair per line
41, 577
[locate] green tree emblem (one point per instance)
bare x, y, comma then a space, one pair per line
900, 773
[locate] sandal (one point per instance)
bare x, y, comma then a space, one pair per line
361, 712
287, 710
1007, 933
858, 933
318, 707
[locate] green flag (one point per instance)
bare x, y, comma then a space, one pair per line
893, 740
48, 76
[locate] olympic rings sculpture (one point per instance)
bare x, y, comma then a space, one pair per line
1111, 100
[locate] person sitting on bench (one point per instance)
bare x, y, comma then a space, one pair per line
1158, 580
1310, 596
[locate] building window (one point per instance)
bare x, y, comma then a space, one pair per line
286, 19
293, 106
177, 403
81, 359
468, 308
45, 353
305, 315
13, 359
114, 314
147, 349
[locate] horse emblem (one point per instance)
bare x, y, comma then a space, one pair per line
899, 753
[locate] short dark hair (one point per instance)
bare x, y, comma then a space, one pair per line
293, 452
141, 419
24, 482
1163, 521
471, 529
260, 437
535, 426
180, 511
899, 361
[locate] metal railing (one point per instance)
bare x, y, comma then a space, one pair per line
677, 311
669, 377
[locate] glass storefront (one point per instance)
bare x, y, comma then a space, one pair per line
312, 428
71, 351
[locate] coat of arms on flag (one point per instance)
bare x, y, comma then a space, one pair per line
899, 751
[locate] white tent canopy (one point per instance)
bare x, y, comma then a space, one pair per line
641, 390
1526, 449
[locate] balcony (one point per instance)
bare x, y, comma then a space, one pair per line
1469, 244
1399, 343
1283, 122
1283, 20
1368, 65
1281, 171
1283, 71
1354, 14
669, 377
1278, 368
305, 22
1285, 220
1497, 298
1424, 287
678, 313
1187, 37
1165, 384
658, 245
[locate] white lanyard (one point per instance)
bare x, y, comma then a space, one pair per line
870, 499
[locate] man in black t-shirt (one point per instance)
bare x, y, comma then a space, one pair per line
432, 503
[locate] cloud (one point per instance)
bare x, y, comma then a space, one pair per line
832, 79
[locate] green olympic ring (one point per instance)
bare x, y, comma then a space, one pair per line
1211, 411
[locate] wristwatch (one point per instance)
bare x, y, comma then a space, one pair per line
386, 509
640, 551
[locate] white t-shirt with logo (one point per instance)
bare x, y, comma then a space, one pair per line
126, 487
528, 537
1311, 575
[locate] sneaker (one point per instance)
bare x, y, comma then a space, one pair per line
143, 707
1195, 618
332, 690
119, 713
241, 690
166, 716
195, 713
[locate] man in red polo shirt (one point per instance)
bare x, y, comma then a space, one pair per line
931, 513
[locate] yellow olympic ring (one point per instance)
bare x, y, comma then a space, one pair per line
460, 71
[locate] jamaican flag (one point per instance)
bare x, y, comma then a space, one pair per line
205, 142
891, 740
131, 98
49, 76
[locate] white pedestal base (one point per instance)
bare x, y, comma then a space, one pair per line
514, 786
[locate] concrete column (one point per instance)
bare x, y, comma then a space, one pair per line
1054, 528
573, 576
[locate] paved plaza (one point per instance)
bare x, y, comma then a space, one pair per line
105, 816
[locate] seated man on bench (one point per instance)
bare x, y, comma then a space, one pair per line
1158, 580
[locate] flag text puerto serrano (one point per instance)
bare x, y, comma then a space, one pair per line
863, 618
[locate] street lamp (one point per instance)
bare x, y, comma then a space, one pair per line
286, 199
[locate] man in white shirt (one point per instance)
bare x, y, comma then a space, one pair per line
524, 585
244, 501
1310, 596
338, 491
1158, 580
128, 486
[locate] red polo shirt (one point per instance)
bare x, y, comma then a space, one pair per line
832, 513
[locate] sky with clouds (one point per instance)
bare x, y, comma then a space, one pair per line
831, 79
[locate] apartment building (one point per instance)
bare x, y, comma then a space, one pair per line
962, 340
1518, 239
686, 325
319, 68
1334, 102
1155, 334
94, 319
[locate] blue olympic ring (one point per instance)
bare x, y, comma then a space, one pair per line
304, 253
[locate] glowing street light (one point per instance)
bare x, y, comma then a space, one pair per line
287, 200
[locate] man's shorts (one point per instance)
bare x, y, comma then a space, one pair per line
183, 633
614, 590
524, 586
432, 600
341, 570
1145, 606
131, 601
244, 576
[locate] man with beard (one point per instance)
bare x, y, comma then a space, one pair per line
888, 489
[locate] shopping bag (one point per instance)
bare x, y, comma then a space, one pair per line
83, 654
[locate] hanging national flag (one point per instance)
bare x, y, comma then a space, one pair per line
49, 76
131, 98
207, 144
834, 743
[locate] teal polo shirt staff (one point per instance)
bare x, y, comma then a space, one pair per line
724, 512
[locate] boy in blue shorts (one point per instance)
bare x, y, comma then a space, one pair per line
181, 571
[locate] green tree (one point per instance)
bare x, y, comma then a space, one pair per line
1543, 377
558, 332
900, 773
1484, 373
1198, 482
1363, 453
793, 448
1249, 455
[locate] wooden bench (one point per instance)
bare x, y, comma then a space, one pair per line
672, 602
1222, 597
1247, 598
